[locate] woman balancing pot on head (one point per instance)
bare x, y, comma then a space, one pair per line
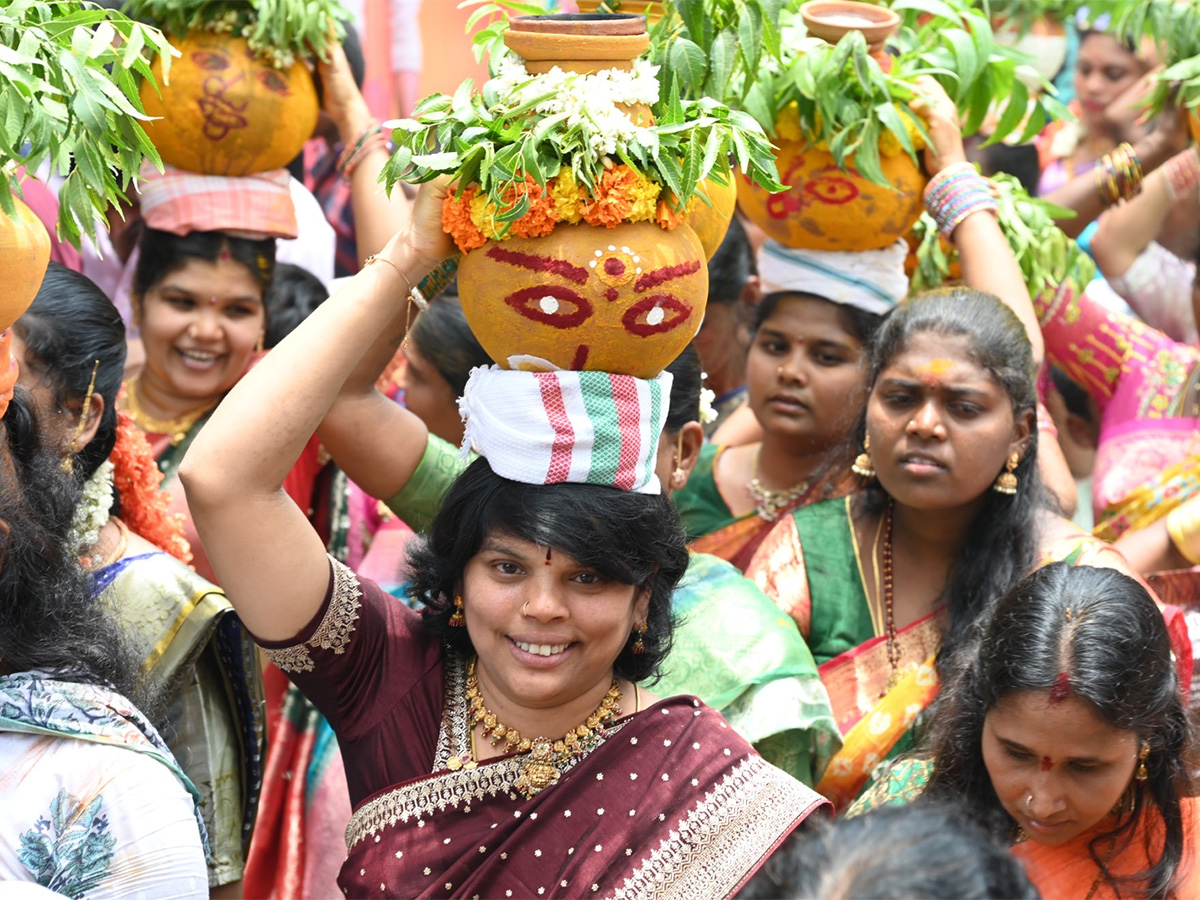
1065, 734
495, 742
886, 584
206, 260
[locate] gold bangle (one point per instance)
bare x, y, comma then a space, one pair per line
1183, 524
414, 293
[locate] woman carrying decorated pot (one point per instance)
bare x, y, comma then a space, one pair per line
200, 665
886, 583
544, 603
1065, 734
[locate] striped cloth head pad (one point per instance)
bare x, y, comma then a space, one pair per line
566, 426
872, 280
253, 206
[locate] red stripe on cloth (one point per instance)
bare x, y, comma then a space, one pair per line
564, 434
625, 395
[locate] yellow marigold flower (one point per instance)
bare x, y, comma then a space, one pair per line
643, 194
566, 195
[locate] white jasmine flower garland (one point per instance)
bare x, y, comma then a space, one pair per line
93, 509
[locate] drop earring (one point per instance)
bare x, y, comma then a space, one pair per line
862, 463
68, 463
678, 476
639, 646
458, 620
1006, 481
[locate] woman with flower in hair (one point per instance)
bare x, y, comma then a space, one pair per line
887, 583
199, 664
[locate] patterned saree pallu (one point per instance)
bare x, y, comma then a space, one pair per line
635, 818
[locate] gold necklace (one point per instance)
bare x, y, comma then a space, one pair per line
770, 504
176, 428
547, 757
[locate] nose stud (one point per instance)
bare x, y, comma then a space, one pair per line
524, 606
1029, 804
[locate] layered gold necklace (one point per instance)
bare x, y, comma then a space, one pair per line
177, 429
547, 757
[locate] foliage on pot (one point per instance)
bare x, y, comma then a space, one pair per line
847, 103
68, 96
529, 152
281, 32
1022, 14
1044, 253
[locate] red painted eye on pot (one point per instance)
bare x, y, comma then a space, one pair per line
210, 62
656, 314
551, 304
274, 82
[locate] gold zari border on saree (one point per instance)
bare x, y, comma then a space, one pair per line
337, 625
710, 851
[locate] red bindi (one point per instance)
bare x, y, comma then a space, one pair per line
1047, 765
1062, 687
549, 552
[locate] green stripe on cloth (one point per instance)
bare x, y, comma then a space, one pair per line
602, 413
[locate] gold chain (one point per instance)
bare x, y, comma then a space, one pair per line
177, 428
547, 757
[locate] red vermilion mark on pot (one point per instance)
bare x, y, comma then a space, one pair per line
581, 358
535, 262
831, 187
543, 303
221, 115
637, 318
667, 273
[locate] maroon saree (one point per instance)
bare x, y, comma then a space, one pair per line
671, 803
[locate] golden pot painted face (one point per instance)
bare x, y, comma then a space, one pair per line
227, 112
625, 300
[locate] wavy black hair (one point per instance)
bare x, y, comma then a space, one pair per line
686, 382
1002, 543
441, 335
1104, 631
48, 619
293, 295
163, 253
632, 538
929, 850
71, 330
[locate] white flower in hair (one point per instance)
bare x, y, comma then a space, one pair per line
93, 510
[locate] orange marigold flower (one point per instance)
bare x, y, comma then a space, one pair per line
667, 217
144, 505
456, 220
614, 197
541, 218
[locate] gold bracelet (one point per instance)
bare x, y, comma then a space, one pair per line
414, 293
1183, 524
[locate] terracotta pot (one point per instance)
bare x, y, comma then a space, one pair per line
626, 299
830, 20
711, 222
827, 208
1193, 119
651, 9
225, 111
583, 43
24, 255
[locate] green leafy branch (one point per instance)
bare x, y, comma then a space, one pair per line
279, 31
1044, 253
1023, 13
487, 39
68, 96
1174, 27
483, 139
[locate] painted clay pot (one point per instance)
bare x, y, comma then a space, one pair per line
227, 112
583, 43
626, 299
711, 222
827, 208
651, 9
24, 255
1193, 120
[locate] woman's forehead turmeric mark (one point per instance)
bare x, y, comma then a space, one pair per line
933, 371
1047, 764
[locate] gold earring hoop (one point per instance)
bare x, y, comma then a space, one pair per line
1006, 481
262, 340
458, 620
862, 463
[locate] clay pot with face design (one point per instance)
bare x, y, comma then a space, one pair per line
226, 111
828, 208
711, 222
625, 300
24, 255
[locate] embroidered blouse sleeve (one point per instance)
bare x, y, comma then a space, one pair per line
362, 651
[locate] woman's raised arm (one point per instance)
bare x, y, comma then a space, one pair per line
987, 260
267, 557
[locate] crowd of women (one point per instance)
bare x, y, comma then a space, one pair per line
240, 541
